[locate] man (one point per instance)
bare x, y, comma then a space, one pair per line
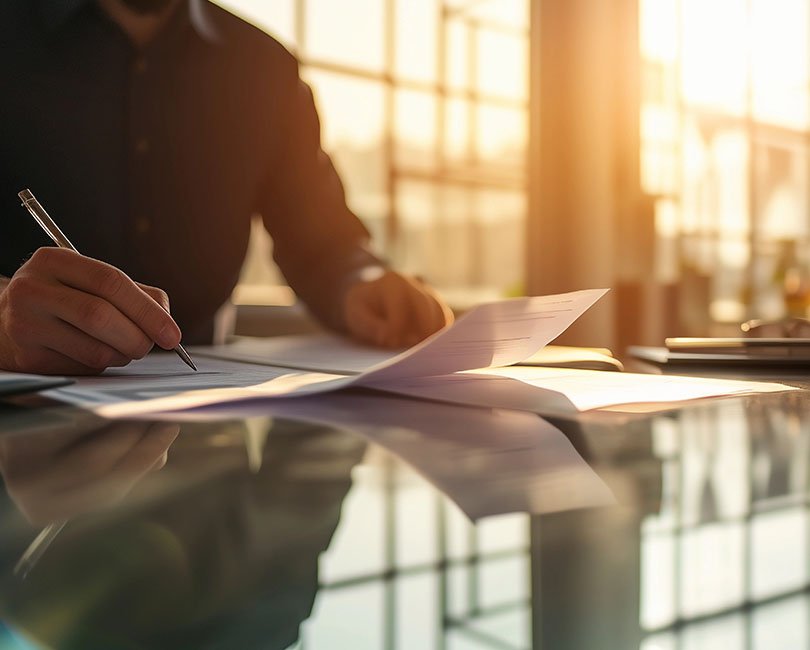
152, 130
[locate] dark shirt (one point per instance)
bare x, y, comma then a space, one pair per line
154, 160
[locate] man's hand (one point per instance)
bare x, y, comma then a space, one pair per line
394, 311
63, 313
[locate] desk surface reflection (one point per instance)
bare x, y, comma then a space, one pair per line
362, 521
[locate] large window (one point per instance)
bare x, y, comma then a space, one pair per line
424, 109
725, 126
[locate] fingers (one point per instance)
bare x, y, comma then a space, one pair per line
397, 315
100, 320
377, 314
394, 311
366, 324
158, 295
116, 288
427, 316
84, 349
150, 453
45, 361
63, 313
99, 452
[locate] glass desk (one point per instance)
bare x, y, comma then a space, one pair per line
680, 530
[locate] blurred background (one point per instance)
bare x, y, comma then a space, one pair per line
506, 147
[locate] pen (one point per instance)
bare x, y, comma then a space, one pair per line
37, 548
33, 206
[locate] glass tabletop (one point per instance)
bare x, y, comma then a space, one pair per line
366, 521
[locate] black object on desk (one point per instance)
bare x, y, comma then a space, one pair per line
734, 352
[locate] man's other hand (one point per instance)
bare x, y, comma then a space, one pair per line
63, 313
394, 311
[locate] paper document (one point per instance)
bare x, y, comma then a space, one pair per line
490, 335
564, 390
158, 384
464, 364
487, 336
318, 352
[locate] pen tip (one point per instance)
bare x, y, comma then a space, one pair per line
181, 352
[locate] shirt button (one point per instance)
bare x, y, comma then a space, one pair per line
142, 146
143, 225
140, 65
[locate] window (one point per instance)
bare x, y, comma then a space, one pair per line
725, 126
424, 108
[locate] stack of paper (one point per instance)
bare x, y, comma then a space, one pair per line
467, 363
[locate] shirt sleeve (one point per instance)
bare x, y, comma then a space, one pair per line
318, 243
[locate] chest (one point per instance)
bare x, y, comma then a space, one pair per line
108, 134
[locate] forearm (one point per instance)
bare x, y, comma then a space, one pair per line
318, 242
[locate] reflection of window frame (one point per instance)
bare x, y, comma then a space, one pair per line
702, 440
457, 611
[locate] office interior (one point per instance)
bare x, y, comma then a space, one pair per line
507, 148
496, 148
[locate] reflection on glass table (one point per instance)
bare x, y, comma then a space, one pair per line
193, 556
338, 532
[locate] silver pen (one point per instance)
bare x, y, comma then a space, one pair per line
37, 548
33, 206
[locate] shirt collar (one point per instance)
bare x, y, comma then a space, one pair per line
56, 13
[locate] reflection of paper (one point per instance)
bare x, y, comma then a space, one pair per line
487, 461
560, 390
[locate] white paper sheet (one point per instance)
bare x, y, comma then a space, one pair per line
461, 364
317, 352
490, 335
161, 383
564, 390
